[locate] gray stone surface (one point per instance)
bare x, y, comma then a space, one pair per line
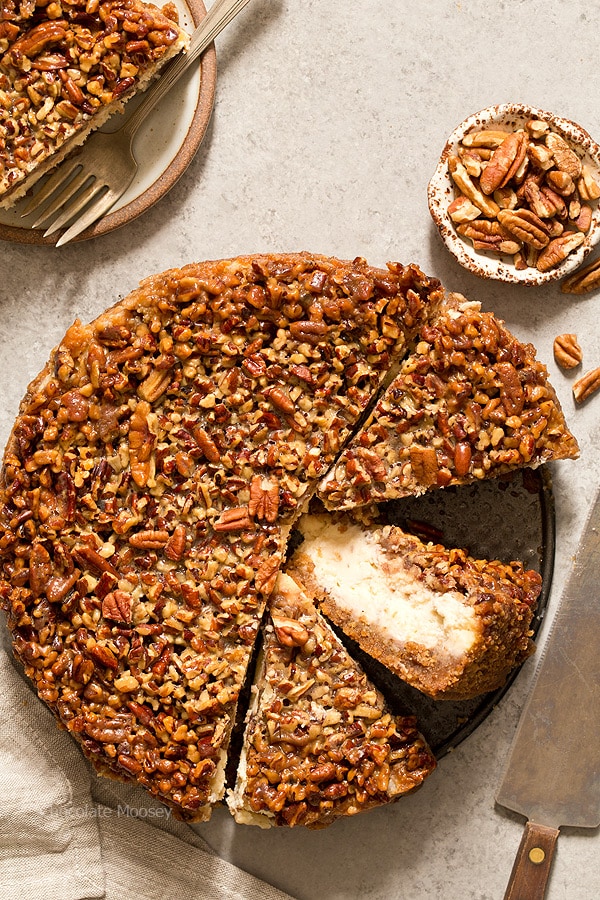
328, 120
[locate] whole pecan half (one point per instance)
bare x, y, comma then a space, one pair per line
117, 606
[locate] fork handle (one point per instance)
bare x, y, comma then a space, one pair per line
221, 13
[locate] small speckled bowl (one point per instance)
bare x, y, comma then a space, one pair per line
441, 192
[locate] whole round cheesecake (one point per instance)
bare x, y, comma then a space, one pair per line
152, 478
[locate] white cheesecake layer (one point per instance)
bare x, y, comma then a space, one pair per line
376, 587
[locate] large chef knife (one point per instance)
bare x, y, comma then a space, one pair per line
553, 771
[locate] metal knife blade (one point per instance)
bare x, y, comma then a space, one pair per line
552, 775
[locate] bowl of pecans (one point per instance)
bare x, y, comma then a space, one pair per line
515, 194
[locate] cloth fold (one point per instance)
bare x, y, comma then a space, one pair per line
67, 834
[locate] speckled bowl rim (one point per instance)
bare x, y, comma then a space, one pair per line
440, 193
170, 175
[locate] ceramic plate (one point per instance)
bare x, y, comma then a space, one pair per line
440, 193
164, 146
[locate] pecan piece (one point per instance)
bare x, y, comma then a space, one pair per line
584, 219
309, 332
424, 464
525, 225
109, 731
59, 586
558, 250
175, 546
511, 389
117, 606
539, 202
461, 178
38, 38
289, 632
40, 569
462, 210
588, 187
280, 400
87, 557
206, 444
141, 444
486, 235
486, 138
561, 182
537, 128
565, 158
103, 656
149, 539
567, 351
154, 385
505, 161
372, 463
586, 279
264, 499
462, 458
234, 519
587, 385
540, 156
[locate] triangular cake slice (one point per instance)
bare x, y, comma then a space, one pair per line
469, 402
320, 742
150, 482
64, 69
449, 625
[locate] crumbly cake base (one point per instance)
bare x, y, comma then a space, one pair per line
320, 743
498, 601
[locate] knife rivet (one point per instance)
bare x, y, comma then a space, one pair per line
537, 855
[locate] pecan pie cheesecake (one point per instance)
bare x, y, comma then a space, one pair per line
151, 479
447, 624
320, 742
65, 67
469, 402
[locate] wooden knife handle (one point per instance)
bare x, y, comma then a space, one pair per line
530, 872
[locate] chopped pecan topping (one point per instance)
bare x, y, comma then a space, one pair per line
471, 400
158, 465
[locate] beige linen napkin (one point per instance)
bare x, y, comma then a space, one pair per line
66, 834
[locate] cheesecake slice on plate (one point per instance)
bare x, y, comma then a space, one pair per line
65, 68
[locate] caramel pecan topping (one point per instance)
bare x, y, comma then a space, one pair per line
471, 400
150, 483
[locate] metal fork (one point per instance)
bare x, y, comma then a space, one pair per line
95, 176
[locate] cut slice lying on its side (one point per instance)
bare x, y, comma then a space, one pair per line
65, 67
319, 742
449, 625
469, 402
